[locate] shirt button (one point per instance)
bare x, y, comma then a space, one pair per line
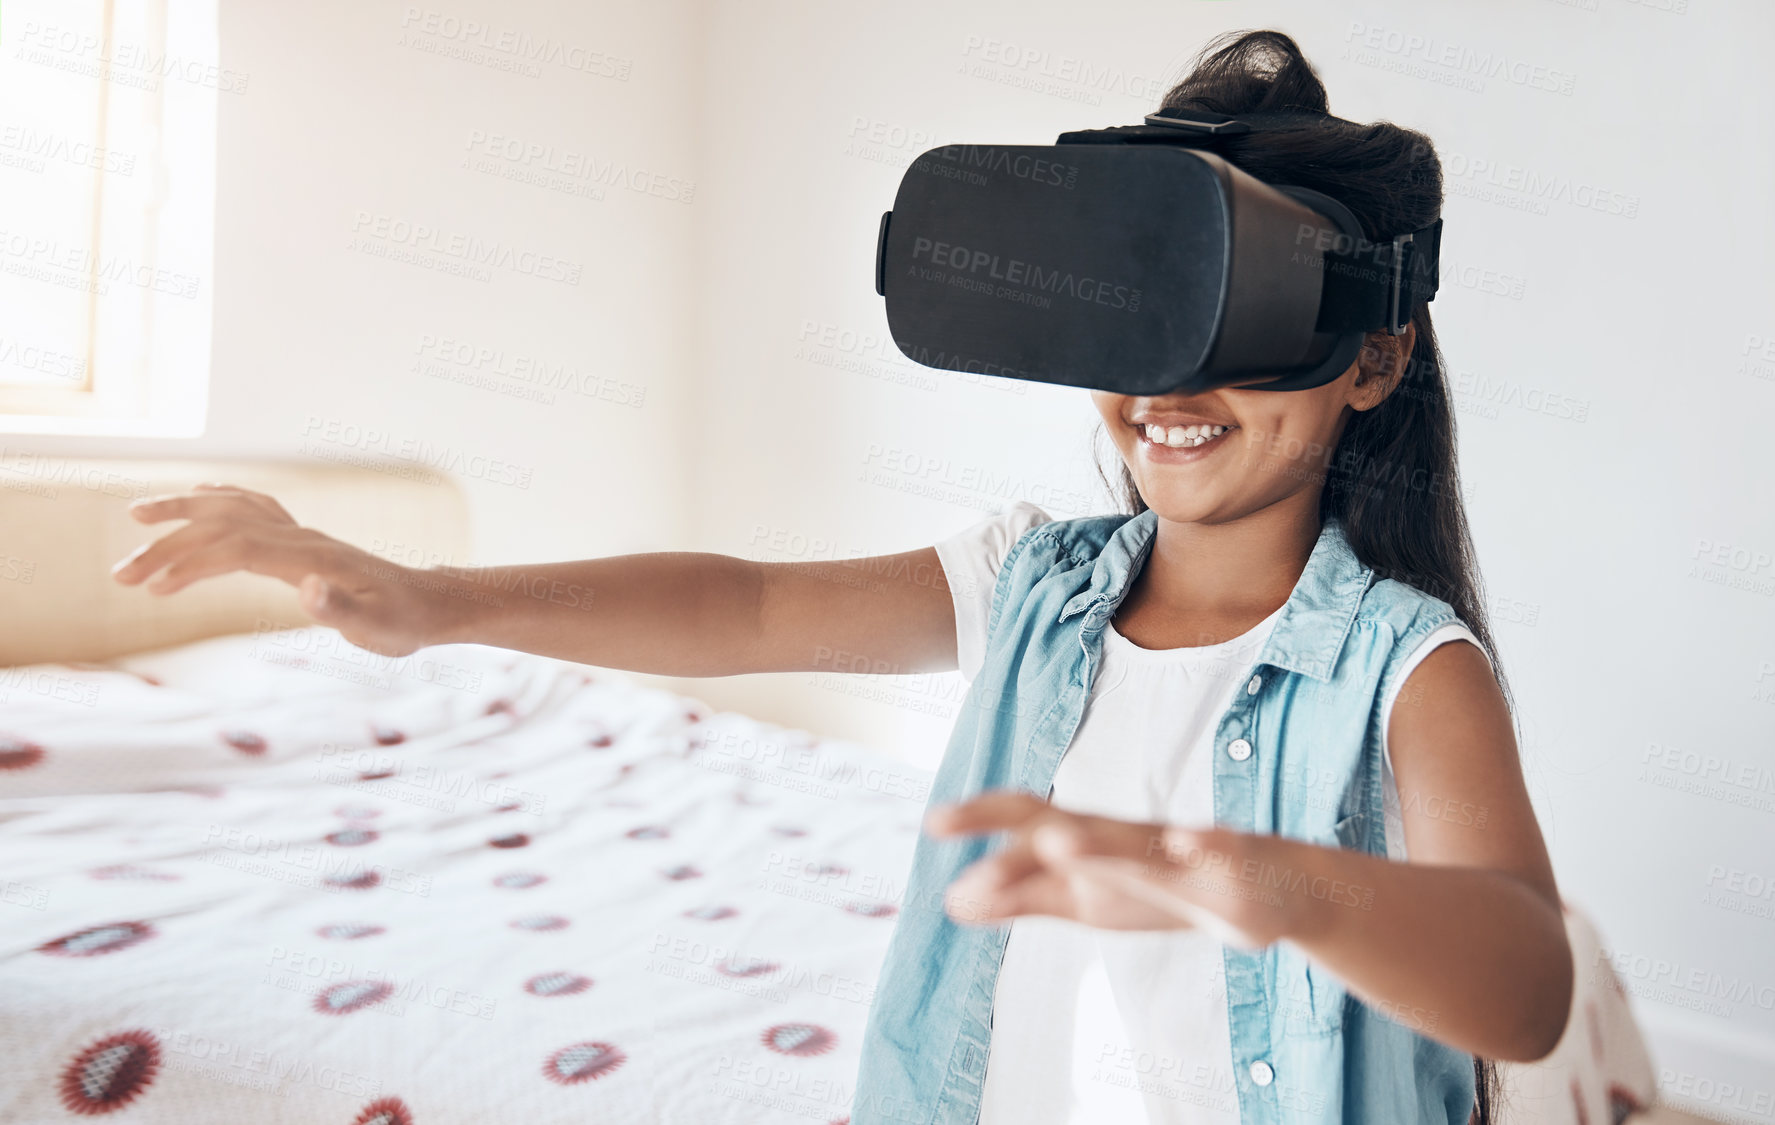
1238, 750
1251, 688
1261, 1073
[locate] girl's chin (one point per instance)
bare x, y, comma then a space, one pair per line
1176, 503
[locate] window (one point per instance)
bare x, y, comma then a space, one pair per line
107, 211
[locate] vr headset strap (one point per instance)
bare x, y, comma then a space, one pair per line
1197, 128
1377, 285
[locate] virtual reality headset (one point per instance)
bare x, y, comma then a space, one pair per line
1137, 260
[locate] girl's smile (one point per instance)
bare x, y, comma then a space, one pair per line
1169, 437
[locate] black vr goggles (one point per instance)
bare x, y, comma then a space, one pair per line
1135, 260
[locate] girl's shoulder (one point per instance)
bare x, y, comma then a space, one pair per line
1077, 541
1406, 610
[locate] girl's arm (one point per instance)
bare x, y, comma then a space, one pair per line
1465, 943
1469, 935
671, 613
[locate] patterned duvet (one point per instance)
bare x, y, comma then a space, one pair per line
274, 878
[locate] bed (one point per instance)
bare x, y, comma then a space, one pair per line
251, 873
305, 884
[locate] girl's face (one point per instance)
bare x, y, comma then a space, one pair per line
1220, 455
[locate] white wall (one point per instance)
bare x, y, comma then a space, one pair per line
1622, 633
352, 110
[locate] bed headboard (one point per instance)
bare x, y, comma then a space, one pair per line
64, 522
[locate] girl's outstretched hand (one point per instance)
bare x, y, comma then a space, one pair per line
388, 609
1116, 874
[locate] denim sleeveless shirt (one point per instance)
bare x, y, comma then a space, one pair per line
1297, 754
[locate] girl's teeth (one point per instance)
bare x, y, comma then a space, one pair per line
1183, 436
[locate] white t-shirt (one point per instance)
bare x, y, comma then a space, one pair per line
1097, 1025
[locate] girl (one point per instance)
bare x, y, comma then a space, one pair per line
1267, 852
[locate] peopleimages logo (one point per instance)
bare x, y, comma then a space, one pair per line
991, 158
1030, 276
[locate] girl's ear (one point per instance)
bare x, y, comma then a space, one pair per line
1381, 367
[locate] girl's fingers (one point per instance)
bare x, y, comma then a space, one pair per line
285, 554
1104, 868
1100, 836
223, 554
196, 505
989, 812
1176, 891
1002, 868
149, 558
1168, 892
257, 499
1059, 843
981, 888
1093, 870
1043, 892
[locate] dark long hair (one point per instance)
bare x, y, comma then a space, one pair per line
1392, 479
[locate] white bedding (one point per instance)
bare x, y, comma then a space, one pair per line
274, 878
